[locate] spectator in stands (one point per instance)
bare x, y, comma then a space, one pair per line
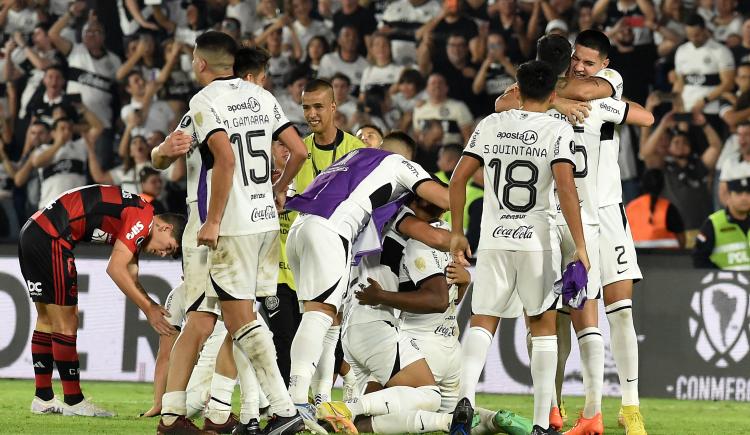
726, 22
455, 118
741, 52
152, 114
151, 188
244, 13
410, 93
704, 69
635, 63
735, 107
178, 87
314, 52
638, 14
362, 19
669, 32
91, 73
8, 217
281, 63
125, 175
517, 35
584, 19
195, 23
290, 99
26, 178
53, 94
62, 164
346, 105
18, 16
736, 164
724, 239
400, 21
686, 173
382, 71
456, 68
496, 73
451, 21
140, 56
370, 135
304, 26
231, 26
346, 59
429, 141
654, 221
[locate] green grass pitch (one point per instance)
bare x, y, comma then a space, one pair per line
663, 416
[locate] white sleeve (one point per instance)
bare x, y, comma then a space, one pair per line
563, 148
206, 120
408, 173
280, 121
186, 125
612, 110
175, 304
725, 58
679, 62
614, 79
472, 148
421, 262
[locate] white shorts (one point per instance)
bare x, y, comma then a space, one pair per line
195, 266
616, 248
564, 249
320, 260
507, 283
377, 350
445, 364
239, 267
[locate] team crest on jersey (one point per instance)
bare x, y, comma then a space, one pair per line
421, 264
444, 111
199, 118
185, 122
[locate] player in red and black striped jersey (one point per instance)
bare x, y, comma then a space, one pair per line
98, 214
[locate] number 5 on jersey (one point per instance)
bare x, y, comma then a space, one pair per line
236, 139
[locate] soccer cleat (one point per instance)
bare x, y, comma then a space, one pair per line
251, 428
537, 430
181, 426
511, 423
338, 415
463, 417
84, 408
631, 419
308, 412
226, 427
52, 406
555, 418
588, 426
278, 425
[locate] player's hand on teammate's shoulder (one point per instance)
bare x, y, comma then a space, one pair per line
176, 144
369, 295
575, 111
456, 273
460, 250
208, 235
156, 315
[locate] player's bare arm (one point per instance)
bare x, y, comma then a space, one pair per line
457, 274
583, 88
175, 145
121, 268
638, 115
221, 184
430, 297
418, 229
460, 249
509, 100
568, 196
297, 156
435, 193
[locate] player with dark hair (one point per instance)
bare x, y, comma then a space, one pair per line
250, 64
400, 143
97, 214
515, 271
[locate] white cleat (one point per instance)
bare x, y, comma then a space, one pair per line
86, 409
52, 406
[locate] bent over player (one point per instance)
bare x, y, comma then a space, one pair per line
97, 214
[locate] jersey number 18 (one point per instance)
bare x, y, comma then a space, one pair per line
513, 183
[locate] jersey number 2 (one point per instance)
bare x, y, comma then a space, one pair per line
236, 139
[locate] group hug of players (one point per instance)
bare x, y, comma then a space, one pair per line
374, 264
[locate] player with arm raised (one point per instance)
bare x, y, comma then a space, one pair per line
522, 151
234, 202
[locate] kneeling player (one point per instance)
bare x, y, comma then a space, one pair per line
98, 214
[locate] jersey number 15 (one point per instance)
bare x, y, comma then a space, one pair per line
236, 139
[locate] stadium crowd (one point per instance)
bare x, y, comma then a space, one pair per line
88, 89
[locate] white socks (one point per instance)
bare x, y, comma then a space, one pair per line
172, 406
543, 367
624, 345
305, 352
412, 422
249, 389
322, 380
475, 347
396, 400
592, 366
255, 341
220, 403
563, 352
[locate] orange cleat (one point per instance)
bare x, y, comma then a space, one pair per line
555, 419
588, 426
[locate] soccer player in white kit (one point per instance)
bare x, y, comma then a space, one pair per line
522, 151
234, 122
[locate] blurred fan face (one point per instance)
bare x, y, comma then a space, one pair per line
38, 135
63, 131
585, 18
152, 185
340, 89
743, 138
348, 39
679, 146
381, 50
436, 88
54, 81
743, 78
93, 36
139, 149
457, 49
697, 35
315, 49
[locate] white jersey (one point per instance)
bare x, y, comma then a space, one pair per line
405, 18
609, 189
518, 149
384, 268
94, 79
380, 76
700, 68
251, 117
332, 63
419, 263
588, 140
66, 171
